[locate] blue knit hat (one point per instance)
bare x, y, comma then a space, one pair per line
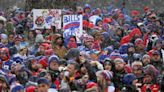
18, 59
125, 57
53, 58
17, 88
73, 53
107, 61
105, 35
115, 54
107, 75
109, 49
87, 6
98, 20
128, 79
130, 45
85, 16
42, 80
123, 49
137, 56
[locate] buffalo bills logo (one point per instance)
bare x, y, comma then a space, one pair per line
49, 20
39, 20
72, 25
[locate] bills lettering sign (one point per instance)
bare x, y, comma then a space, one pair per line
72, 25
72, 22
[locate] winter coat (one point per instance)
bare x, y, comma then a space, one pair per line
150, 87
60, 51
118, 77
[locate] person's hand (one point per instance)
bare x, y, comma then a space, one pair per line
96, 63
93, 63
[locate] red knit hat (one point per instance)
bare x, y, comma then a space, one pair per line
121, 16
43, 62
150, 53
88, 38
91, 25
135, 31
134, 13
30, 89
125, 39
91, 84
107, 20
146, 9
85, 23
46, 46
138, 41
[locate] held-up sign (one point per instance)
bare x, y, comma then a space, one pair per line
72, 25
56, 21
45, 18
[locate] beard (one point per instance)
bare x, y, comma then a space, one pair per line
130, 52
59, 43
34, 69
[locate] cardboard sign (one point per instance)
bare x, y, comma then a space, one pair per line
45, 18
72, 25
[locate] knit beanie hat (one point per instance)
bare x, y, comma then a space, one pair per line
3, 36
17, 88
107, 61
128, 79
145, 56
53, 58
119, 60
125, 57
115, 54
17, 59
150, 70
105, 35
43, 62
72, 53
137, 65
88, 38
123, 49
91, 84
138, 41
30, 89
42, 80
108, 75
87, 6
